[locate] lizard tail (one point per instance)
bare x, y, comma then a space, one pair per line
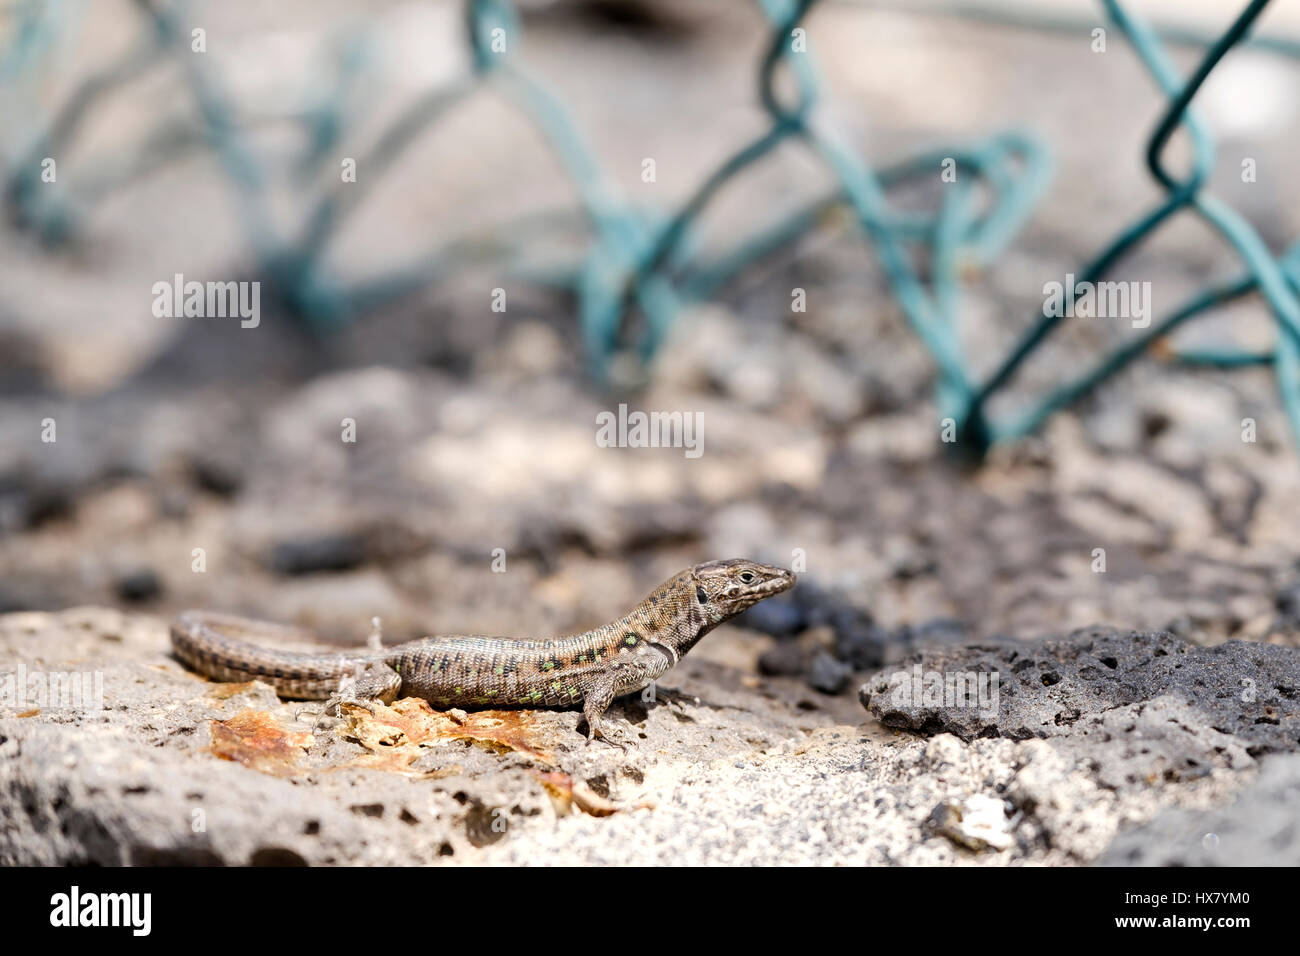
203, 643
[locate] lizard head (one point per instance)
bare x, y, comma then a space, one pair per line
725, 588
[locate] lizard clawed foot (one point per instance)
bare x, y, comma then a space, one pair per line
332, 709
320, 713
596, 731
327, 712
675, 698
370, 684
335, 704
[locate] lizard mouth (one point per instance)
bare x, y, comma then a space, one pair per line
776, 585
779, 580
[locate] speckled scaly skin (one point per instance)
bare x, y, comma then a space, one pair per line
588, 669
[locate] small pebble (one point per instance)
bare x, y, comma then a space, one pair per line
338, 552
138, 586
828, 674
784, 659
779, 617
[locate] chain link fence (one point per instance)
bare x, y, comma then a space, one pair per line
641, 269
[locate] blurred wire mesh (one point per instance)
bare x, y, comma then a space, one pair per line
640, 268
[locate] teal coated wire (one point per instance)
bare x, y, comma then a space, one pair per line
642, 263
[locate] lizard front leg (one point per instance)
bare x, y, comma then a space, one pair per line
369, 682
627, 674
594, 705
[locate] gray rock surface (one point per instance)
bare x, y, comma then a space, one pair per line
1260, 828
828, 674
727, 766
1104, 683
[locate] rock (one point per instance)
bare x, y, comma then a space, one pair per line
1164, 739
1044, 688
1287, 602
859, 642
937, 631
140, 585
1258, 829
217, 474
121, 784
9, 601
780, 617
724, 774
825, 608
828, 674
944, 750
783, 659
1062, 804
862, 646
977, 823
334, 552
30, 503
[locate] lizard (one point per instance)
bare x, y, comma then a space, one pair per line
589, 669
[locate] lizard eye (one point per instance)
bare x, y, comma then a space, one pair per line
747, 577
701, 596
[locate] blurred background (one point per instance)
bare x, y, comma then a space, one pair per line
201, 463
